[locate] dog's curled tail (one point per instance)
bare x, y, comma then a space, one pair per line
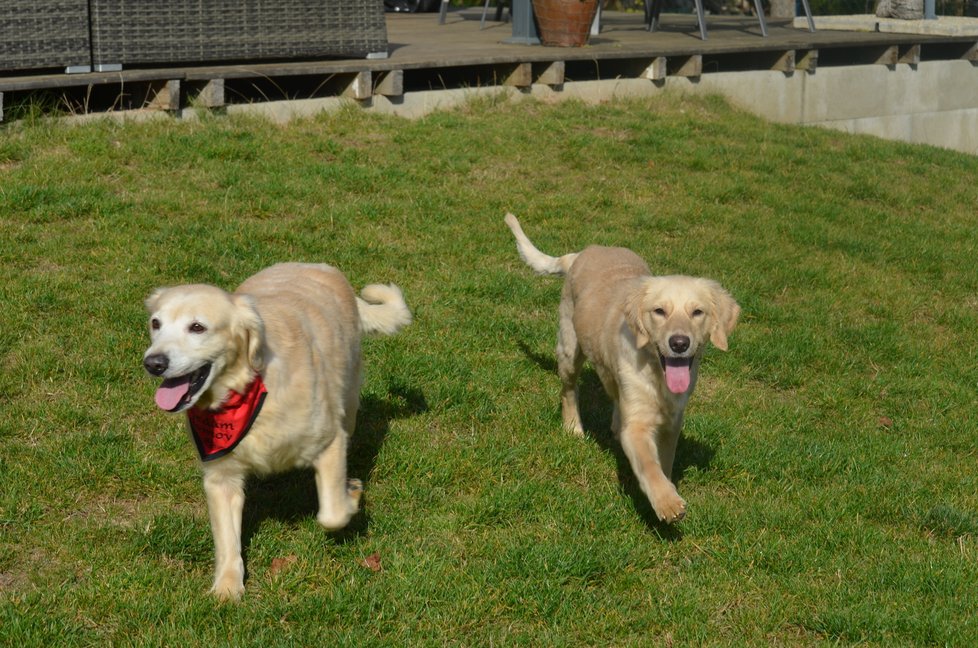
540, 262
382, 309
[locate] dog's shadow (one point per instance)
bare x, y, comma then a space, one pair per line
596, 410
292, 497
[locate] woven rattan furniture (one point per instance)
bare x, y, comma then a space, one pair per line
39, 34
139, 32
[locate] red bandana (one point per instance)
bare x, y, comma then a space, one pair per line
218, 432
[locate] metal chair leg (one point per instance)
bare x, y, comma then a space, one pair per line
652, 10
759, 8
499, 12
700, 14
808, 14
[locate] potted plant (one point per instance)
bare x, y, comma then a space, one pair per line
564, 23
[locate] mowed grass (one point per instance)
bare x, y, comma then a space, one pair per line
829, 458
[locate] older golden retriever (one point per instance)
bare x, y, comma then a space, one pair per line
645, 336
270, 378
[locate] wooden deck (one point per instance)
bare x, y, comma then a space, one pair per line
424, 54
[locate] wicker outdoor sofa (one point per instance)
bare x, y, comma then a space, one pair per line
80, 35
37, 34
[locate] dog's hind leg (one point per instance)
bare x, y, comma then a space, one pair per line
339, 499
610, 384
570, 359
225, 503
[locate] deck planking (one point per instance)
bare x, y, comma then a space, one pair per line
460, 53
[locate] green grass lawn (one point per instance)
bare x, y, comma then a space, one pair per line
829, 458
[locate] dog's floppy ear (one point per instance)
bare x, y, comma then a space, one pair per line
636, 316
725, 313
251, 328
153, 300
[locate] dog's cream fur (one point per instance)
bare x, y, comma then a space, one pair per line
645, 336
299, 327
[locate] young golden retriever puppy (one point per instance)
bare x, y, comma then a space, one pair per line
270, 379
645, 336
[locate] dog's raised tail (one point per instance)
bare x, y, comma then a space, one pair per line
540, 262
382, 309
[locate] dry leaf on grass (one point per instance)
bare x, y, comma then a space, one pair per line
280, 564
372, 562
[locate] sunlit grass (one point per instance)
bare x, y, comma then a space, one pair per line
828, 459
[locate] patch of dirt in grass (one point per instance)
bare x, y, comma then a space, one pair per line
123, 513
11, 581
795, 635
106, 509
618, 135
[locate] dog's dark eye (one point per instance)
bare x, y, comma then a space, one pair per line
661, 312
697, 312
197, 327
154, 324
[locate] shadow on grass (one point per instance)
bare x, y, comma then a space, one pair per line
292, 496
596, 409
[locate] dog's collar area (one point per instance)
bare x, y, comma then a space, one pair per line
218, 432
174, 394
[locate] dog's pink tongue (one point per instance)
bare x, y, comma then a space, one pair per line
677, 377
170, 393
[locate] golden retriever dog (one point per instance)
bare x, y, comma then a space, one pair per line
645, 336
270, 379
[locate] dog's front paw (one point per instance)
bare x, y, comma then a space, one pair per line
670, 507
228, 587
570, 415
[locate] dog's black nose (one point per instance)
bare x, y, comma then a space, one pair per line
156, 364
679, 343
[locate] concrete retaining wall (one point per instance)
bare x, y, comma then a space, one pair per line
932, 103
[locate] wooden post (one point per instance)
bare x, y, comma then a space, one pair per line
889, 55
690, 66
360, 87
552, 75
520, 75
657, 69
910, 54
785, 62
390, 84
807, 60
212, 96
165, 97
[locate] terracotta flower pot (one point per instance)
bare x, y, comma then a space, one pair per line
564, 23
